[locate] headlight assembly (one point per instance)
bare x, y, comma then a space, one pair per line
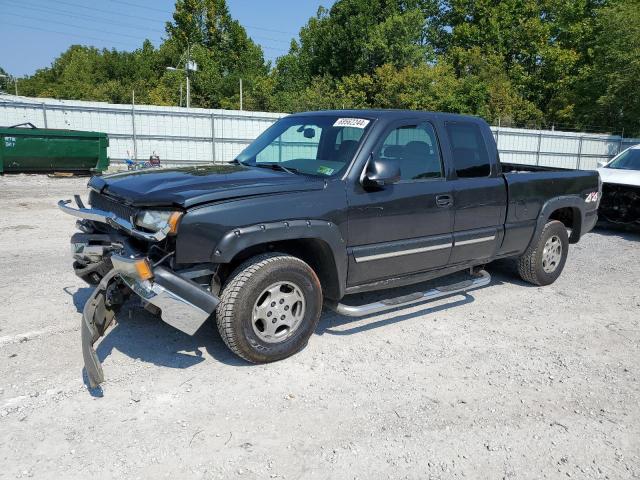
156, 220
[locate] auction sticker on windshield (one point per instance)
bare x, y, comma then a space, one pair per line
351, 122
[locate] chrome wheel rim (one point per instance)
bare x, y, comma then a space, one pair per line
551, 254
278, 312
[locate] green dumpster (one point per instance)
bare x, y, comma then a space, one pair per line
24, 148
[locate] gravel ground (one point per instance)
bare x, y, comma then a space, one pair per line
510, 381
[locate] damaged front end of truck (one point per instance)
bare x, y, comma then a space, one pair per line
125, 252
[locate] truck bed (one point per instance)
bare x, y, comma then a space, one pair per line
528, 193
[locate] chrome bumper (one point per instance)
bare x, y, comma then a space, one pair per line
183, 305
168, 292
111, 219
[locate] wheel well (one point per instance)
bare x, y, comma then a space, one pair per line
571, 218
314, 252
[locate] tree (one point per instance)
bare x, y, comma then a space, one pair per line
217, 42
86, 73
541, 44
3, 81
357, 36
399, 40
521, 62
397, 54
220, 46
608, 88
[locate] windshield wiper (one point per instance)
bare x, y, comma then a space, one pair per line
277, 166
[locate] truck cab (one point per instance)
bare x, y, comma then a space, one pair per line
434, 217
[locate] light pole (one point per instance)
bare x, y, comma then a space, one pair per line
189, 65
173, 69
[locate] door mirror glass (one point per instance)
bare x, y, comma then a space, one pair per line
381, 172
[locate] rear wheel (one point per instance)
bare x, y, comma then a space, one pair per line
269, 307
544, 260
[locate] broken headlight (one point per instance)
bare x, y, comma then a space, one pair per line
156, 220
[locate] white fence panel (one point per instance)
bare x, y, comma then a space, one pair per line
549, 148
197, 135
177, 135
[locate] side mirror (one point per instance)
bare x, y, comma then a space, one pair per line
602, 163
381, 172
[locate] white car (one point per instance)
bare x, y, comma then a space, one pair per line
621, 187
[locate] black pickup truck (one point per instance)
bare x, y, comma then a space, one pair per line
320, 206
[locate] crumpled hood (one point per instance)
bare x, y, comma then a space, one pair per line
189, 186
620, 176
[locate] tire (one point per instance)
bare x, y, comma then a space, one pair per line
246, 301
542, 267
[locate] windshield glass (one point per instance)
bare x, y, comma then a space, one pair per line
627, 160
321, 145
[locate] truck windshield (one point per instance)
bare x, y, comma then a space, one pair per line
321, 145
627, 160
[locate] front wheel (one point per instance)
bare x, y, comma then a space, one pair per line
269, 307
544, 260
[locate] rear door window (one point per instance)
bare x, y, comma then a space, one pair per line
470, 156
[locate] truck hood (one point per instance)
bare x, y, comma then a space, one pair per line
620, 176
189, 186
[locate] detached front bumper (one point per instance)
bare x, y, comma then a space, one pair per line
182, 303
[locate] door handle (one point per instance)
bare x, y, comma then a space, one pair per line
444, 200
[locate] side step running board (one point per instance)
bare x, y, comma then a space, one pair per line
480, 279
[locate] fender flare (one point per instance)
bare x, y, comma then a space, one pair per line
571, 201
235, 241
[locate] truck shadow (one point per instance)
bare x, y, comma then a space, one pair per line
502, 271
79, 297
330, 321
625, 232
506, 271
142, 336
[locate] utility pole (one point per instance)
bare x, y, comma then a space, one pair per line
240, 94
188, 92
187, 65
133, 124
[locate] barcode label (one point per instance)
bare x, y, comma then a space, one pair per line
351, 122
